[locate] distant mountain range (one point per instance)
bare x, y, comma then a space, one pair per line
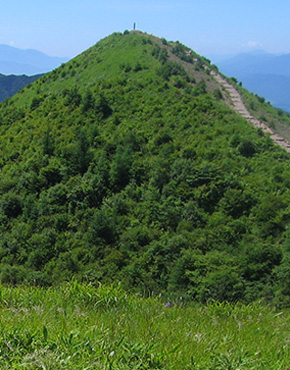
29, 62
9, 85
265, 74
21, 67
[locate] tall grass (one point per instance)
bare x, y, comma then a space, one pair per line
84, 327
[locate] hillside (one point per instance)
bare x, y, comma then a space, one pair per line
129, 164
10, 85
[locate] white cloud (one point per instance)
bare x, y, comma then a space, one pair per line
253, 44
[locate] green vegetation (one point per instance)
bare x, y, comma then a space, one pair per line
125, 164
83, 327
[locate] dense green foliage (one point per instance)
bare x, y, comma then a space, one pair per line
9, 85
125, 164
82, 327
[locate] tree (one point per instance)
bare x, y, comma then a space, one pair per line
102, 106
48, 143
120, 167
88, 102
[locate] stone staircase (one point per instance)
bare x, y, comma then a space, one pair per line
239, 106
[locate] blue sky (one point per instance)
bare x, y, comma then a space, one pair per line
68, 27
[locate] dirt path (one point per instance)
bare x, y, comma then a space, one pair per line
239, 106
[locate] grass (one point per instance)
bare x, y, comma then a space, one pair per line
84, 327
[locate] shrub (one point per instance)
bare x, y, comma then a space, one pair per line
247, 148
35, 103
11, 205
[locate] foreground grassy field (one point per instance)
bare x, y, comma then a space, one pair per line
85, 327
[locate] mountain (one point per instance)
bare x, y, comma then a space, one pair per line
262, 73
275, 88
129, 164
30, 62
9, 85
245, 63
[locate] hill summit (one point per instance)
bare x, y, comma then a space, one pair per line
129, 164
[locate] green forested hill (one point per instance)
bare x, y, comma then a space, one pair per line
126, 164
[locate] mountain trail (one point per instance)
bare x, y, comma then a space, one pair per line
235, 98
239, 106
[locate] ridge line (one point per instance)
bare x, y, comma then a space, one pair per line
239, 106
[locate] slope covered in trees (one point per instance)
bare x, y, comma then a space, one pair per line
127, 164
